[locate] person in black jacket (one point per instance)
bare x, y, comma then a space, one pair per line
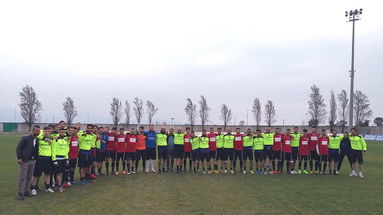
26, 153
345, 150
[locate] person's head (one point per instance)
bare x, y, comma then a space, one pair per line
35, 130
192, 133
171, 131
95, 129
78, 126
258, 132
324, 132
296, 129
72, 131
354, 132
47, 131
204, 133
141, 129
313, 129
211, 130
268, 129
99, 136
334, 132
248, 131
179, 130
51, 127
62, 124
219, 130
101, 129
345, 134
89, 128
228, 130
305, 131
187, 130
151, 127
107, 129
132, 131
237, 130
122, 131
288, 131
62, 132
163, 130
57, 127
114, 130
277, 130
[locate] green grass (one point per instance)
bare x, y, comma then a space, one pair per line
203, 194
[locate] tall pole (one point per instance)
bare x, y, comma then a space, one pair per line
352, 16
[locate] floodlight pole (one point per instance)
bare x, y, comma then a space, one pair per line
353, 16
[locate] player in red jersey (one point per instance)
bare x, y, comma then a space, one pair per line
277, 151
322, 149
304, 149
286, 151
187, 149
212, 151
73, 155
120, 150
238, 149
111, 150
313, 142
130, 154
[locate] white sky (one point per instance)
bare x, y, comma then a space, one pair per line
166, 51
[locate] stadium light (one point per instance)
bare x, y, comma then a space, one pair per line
352, 17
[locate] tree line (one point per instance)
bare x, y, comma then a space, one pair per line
30, 108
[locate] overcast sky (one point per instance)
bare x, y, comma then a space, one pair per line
166, 51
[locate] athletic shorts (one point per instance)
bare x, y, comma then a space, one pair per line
60, 168
259, 155
323, 157
85, 159
162, 152
120, 156
212, 154
277, 155
151, 153
204, 155
187, 155
248, 154
72, 163
333, 155
286, 156
268, 152
228, 154
100, 156
43, 164
303, 157
220, 154
195, 155
294, 153
111, 154
357, 155
314, 155
130, 156
141, 155
179, 151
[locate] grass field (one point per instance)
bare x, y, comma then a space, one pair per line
203, 194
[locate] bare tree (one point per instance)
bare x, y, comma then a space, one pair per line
317, 107
30, 106
70, 111
151, 109
342, 109
203, 111
362, 109
116, 111
226, 115
333, 116
127, 113
191, 110
138, 109
269, 113
257, 112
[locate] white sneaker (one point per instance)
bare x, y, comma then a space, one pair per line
69, 183
153, 170
134, 172
265, 172
34, 192
292, 172
337, 172
244, 172
129, 172
209, 172
232, 171
361, 175
49, 190
225, 171
251, 172
353, 174
204, 172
